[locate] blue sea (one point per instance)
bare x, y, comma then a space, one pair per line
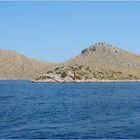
69, 111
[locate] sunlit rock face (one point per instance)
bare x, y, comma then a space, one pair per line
100, 47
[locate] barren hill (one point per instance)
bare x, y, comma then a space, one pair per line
103, 61
108, 62
16, 66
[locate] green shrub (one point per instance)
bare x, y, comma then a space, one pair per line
80, 67
78, 77
49, 72
87, 68
56, 69
63, 75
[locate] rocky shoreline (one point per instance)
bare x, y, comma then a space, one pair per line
75, 74
85, 81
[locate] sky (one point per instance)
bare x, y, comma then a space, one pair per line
57, 31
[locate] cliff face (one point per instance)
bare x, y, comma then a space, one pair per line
16, 66
103, 60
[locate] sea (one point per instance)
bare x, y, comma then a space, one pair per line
69, 110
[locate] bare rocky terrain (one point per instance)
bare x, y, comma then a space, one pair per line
108, 62
17, 66
100, 61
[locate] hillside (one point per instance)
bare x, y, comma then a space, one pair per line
108, 62
16, 66
102, 60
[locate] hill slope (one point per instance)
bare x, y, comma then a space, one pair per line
103, 61
16, 66
108, 62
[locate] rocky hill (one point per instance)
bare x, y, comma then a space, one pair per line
100, 61
108, 62
16, 66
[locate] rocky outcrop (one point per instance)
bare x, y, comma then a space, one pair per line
62, 74
83, 74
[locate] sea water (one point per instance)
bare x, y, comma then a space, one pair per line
69, 111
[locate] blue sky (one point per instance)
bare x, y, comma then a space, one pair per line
57, 31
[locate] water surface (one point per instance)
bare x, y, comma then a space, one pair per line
91, 110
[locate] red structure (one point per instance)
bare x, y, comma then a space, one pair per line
74, 78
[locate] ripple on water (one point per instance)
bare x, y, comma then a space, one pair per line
91, 110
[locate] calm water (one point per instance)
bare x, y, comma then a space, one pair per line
95, 110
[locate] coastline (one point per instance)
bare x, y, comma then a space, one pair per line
86, 81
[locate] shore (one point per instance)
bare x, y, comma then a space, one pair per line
84, 81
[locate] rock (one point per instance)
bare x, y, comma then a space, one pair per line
66, 74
